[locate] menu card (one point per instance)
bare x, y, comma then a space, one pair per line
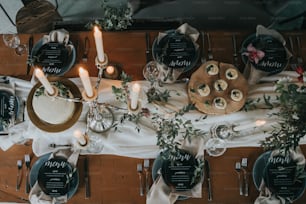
176, 51
280, 177
53, 177
178, 171
53, 57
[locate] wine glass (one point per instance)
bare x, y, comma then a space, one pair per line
220, 133
13, 41
151, 72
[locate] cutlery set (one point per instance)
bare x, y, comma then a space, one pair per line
27, 161
146, 180
241, 168
296, 60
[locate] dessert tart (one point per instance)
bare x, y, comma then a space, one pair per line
220, 85
212, 69
236, 95
220, 103
203, 90
231, 74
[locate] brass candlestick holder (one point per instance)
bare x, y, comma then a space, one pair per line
99, 118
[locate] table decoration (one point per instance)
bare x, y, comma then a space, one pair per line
47, 126
279, 177
264, 53
54, 177
176, 51
54, 53
217, 88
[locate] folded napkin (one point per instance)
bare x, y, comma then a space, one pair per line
37, 196
265, 195
160, 192
252, 73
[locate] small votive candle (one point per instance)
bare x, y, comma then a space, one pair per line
43, 80
83, 73
80, 137
134, 95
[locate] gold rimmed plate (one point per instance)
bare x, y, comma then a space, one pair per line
48, 127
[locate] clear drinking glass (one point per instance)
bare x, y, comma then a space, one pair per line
13, 41
151, 72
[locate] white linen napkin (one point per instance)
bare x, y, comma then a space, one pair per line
265, 195
160, 192
37, 196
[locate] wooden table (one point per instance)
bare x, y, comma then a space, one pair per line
114, 179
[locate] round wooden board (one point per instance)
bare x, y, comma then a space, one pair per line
205, 103
55, 127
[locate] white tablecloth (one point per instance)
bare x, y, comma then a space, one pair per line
127, 141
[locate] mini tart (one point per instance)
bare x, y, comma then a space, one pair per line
220, 85
236, 95
212, 69
231, 74
220, 103
203, 90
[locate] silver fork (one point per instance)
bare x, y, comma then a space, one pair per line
244, 165
27, 161
299, 53
209, 51
146, 166
19, 166
238, 170
139, 170
203, 57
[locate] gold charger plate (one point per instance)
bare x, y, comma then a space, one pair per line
48, 127
205, 103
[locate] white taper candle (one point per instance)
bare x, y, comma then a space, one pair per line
43, 80
83, 73
99, 43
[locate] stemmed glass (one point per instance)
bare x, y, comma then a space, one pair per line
216, 144
13, 41
151, 72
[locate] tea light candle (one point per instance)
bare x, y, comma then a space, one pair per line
80, 137
134, 95
110, 70
86, 81
249, 125
44, 81
99, 44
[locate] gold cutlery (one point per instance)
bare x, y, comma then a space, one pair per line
299, 53
86, 179
146, 166
209, 50
203, 57
27, 161
53, 145
238, 170
139, 170
19, 166
86, 49
244, 165
207, 174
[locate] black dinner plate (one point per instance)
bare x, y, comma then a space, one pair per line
275, 59
55, 58
9, 105
176, 51
259, 173
34, 175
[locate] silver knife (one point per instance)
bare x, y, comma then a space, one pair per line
86, 178
207, 173
148, 47
30, 45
